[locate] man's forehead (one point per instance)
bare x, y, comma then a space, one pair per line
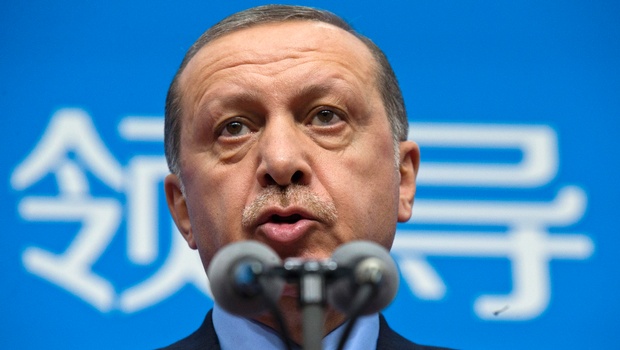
267, 40
298, 32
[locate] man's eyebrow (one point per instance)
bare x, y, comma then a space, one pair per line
240, 98
314, 90
332, 89
248, 97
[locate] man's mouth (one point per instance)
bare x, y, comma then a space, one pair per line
289, 219
285, 227
289, 205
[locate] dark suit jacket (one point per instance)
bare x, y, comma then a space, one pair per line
206, 338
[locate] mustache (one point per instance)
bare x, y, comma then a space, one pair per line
297, 195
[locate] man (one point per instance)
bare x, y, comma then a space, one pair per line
286, 127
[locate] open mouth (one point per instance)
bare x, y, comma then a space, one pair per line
285, 227
290, 219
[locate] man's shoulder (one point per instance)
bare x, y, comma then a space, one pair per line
389, 339
203, 338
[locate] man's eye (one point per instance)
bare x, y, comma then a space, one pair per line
325, 117
235, 128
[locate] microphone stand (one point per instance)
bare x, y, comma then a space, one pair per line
312, 302
312, 277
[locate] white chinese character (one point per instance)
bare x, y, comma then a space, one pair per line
182, 266
527, 242
71, 131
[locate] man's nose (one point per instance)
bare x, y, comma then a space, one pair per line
284, 153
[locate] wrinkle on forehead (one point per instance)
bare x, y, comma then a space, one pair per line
298, 42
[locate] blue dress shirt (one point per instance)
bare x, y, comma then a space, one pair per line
236, 332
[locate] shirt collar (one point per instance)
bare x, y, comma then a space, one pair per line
235, 332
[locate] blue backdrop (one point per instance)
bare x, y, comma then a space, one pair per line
513, 242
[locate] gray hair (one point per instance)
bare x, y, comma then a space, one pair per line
386, 79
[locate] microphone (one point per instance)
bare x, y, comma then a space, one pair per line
372, 268
247, 278
240, 280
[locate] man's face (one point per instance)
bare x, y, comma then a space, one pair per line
285, 140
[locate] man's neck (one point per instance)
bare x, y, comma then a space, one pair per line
292, 314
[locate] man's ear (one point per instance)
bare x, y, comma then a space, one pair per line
178, 208
409, 165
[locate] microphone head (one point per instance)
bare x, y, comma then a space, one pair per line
234, 265
370, 263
